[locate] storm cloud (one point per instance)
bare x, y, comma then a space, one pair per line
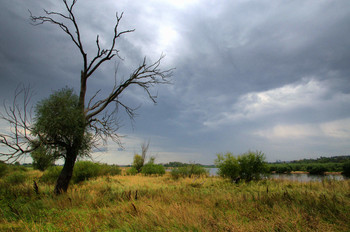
260, 75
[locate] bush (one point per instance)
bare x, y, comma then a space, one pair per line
131, 171
249, 166
346, 169
42, 159
111, 170
283, 169
228, 166
188, 171
17, 177
51, 174
153, 169
85, 170
316, 169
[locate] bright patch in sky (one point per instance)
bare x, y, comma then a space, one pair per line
167, 37
181, 3
255, 105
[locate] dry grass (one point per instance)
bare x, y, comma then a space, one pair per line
137, 203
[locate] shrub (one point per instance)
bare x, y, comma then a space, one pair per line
252, 165
51, 174
131, 171
16, 177
42, 159
248, 166
85, 170
111, 170
228, 166
283, 169
153, 169
316, 169
188, 171
176, 173
346, 169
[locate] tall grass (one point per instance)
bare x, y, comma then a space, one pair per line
161, 203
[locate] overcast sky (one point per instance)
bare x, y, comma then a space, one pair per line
260, 75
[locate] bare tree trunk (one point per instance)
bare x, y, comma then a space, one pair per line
66, 174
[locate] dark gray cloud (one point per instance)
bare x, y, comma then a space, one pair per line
266, 75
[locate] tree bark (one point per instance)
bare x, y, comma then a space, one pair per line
66, 174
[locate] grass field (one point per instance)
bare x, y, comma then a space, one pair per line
138, 203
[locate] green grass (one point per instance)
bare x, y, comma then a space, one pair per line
161, 203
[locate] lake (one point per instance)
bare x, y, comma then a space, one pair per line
301, 177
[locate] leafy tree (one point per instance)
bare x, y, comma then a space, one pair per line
97, 114
139, 160
252, 165
138, 163
248, 166
61, 128
228, 166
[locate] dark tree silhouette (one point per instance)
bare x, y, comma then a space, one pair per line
99, 118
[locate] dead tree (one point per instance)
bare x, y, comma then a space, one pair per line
102, 122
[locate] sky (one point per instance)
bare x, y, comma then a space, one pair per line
266, 75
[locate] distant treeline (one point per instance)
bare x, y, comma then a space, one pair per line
333, 159
176, 164
313, 166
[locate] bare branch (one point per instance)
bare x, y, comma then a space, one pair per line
18, 140
145, 76
106, 54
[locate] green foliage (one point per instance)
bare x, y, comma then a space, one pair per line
60, 122
138, 162
111, 170
17, 177
316, 169
131, 171
85, 170
42, 159
3, 169
153, 169
248, 166
189, 171
228, 166
51, 174
284, 168
252, 165
346, 169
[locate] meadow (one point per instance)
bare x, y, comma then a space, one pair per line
162, 203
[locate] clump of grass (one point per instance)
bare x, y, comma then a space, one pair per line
16, 178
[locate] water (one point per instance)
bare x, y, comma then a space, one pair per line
301, 177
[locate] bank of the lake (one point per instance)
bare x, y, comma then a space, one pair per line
295, 176
139, 203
